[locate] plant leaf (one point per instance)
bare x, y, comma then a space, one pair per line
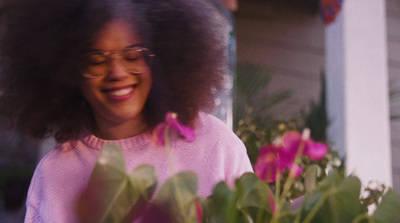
253, 198
176, 198
111, 195
221, 205
388, 210
339, 198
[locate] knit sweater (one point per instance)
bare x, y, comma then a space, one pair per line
216, 155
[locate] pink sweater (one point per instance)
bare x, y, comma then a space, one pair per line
216, 155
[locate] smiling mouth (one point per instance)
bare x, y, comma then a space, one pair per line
120, 92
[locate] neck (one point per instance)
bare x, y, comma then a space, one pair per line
115, 131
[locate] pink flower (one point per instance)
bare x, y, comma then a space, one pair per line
171, 121
271, 160
275, 159
292, 141
199, 211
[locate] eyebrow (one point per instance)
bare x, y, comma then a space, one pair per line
130, 46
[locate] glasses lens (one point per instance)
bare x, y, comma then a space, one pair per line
95, 65
134, 60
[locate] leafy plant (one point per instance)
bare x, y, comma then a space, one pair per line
316, 119
116, 196
253, 122
256, 126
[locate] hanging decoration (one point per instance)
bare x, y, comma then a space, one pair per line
232, 5
330, 9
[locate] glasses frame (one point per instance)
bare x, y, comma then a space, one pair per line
110, 56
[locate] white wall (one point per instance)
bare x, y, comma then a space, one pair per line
357, 89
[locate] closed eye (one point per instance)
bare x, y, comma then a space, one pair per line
132, 55
95, 59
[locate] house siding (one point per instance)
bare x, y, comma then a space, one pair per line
393, 36
288, 40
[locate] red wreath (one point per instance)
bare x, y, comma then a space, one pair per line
330, 9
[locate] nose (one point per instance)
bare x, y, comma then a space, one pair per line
116, 70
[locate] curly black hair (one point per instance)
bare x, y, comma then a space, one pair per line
41, 42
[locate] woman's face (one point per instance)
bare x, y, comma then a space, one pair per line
118, 96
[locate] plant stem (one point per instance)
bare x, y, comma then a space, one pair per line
289, 181
179, 199
277, 194
284, 214
318, 205
361, 217
298, 217
259, 215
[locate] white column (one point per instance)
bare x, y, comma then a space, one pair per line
357, 89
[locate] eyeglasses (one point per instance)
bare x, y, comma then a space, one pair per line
135, 60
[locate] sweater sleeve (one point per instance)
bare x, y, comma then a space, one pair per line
238, 161
232, 152
33, 199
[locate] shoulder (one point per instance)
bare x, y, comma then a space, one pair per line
59, 177
65, 163
215, 135
207, 123
56, 154
64, 159
223, 145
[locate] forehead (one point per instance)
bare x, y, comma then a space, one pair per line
115, 35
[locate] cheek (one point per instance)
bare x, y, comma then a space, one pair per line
147, 83
150, 83
88, 91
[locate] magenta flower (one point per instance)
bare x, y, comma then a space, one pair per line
171, 121
272, 160
292, 141
199, 212
275, 159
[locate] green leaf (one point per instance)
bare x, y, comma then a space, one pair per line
253, 198
178, 196
388, 211
221, 205
143, 180
348, 200
111, 195
251, 79
334, 201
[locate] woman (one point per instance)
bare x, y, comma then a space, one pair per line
99, 71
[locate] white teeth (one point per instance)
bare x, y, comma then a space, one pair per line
121, 92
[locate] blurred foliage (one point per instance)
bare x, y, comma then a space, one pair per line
257, 126
316, 118
319, 169
117, 196
253, 122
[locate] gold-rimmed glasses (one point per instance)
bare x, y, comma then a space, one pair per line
135, 60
